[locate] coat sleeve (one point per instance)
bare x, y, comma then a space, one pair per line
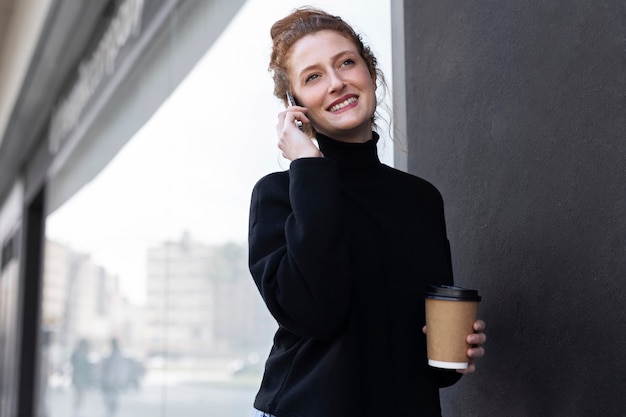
297, 249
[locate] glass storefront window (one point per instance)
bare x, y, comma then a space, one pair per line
147, 297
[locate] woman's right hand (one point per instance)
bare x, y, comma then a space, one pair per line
293, 142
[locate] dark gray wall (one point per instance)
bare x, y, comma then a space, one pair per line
516, 111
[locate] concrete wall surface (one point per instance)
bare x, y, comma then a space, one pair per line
516, 111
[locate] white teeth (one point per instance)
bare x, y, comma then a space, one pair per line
340, 106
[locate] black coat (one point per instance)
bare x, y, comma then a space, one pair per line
342, 249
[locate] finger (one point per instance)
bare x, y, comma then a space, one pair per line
476, 352
293, 116
479, 325
471, 367
284, 127
424, 329
280, 124
468, 370
476, 339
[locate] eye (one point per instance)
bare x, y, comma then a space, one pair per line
311, 78
347, 62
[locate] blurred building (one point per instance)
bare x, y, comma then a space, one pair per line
200, 302
79, 297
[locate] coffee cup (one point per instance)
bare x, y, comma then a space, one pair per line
450, 315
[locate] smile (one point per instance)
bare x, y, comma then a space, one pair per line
343, 104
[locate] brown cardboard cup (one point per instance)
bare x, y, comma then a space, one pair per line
450, 316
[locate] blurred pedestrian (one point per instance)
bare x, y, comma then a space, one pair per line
114, 377
81, 372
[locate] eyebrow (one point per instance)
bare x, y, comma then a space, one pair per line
332, 58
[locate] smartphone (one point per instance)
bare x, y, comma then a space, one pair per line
292, 102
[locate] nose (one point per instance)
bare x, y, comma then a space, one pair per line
336, 83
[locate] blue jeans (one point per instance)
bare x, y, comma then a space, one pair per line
258, 413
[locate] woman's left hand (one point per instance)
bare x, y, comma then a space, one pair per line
476, 340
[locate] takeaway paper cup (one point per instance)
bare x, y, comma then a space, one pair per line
450, 314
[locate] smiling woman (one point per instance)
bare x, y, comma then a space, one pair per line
147, 261
341, 246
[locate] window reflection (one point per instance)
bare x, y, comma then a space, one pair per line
147, 299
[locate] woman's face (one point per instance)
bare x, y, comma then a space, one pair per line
333, 82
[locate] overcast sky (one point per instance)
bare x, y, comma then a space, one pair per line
193, 165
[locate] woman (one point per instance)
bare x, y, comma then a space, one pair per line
341, 246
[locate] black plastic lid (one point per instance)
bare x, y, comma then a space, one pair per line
450, 292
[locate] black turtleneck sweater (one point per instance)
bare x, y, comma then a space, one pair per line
342, 249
